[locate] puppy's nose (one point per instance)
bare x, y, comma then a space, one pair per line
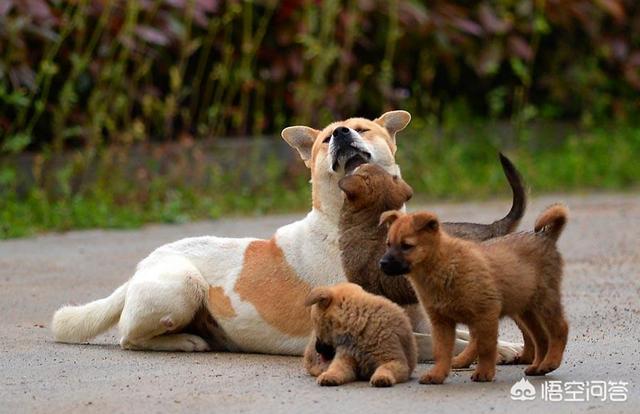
392, 267
341, 134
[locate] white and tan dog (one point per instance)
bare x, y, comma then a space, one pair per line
248, 294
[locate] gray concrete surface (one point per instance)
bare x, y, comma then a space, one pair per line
601, 290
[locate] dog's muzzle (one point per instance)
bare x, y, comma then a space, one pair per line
391, 266
345, 152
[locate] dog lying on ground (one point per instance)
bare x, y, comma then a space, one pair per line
357, 335
460, 281
246, 294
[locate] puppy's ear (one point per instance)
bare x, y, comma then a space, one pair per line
394, 121
426, 222
388, 217
302, 139
352, 185
320, 295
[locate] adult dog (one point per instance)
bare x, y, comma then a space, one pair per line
247, 294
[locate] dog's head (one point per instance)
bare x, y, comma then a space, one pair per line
371, 187
341, 147
325, 304
411, 239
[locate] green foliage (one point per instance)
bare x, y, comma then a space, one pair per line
81, 73
456, 161
106, 107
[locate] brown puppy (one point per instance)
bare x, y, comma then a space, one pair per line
371, 336
459, 281
369, 192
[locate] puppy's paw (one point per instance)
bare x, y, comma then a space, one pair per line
483, 375
329, 379
432, 377
508, 352
382, 380
532, 370
542, 369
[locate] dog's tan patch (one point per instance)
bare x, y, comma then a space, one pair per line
220, 304
269, 283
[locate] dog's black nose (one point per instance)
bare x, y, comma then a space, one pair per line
392, 267
341, 133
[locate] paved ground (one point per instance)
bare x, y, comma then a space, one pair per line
601, 289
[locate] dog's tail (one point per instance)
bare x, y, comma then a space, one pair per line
552, 221
510, 222
76, 324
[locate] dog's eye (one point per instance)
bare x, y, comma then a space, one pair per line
326, 140
406, 246
361, 130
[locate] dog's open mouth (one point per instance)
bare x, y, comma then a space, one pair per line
350, 160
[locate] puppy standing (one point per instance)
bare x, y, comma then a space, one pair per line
371, 335
459, 281
369, 192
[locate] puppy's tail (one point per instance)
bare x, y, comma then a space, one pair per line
77, 324
552, 221
508, 223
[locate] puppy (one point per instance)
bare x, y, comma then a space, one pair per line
357, 335
369, 192
460, 281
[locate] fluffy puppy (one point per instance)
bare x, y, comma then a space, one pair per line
459, 281
357, 335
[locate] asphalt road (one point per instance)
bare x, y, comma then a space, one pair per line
601, 291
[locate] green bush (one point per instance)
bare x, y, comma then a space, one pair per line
80, 73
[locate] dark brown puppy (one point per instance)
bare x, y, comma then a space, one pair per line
371, 336
459, 281
369, 192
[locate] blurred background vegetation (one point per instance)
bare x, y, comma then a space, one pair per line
114, 113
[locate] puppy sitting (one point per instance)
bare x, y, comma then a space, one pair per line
357, 335
460, 281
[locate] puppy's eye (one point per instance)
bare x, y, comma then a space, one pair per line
361, 130
405, 247
326, 140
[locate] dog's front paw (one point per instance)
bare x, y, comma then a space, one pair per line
329, 379
483, 375
193, 343
433, 377
508, 352
382, 380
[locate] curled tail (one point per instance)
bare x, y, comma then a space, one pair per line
508, 223
552, 221
76, 324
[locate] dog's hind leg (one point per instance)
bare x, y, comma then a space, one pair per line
390, 373
161, 300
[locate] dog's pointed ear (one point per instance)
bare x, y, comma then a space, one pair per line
320, 295
301, 138
426, 222
352, 185
388, 217
394, 121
